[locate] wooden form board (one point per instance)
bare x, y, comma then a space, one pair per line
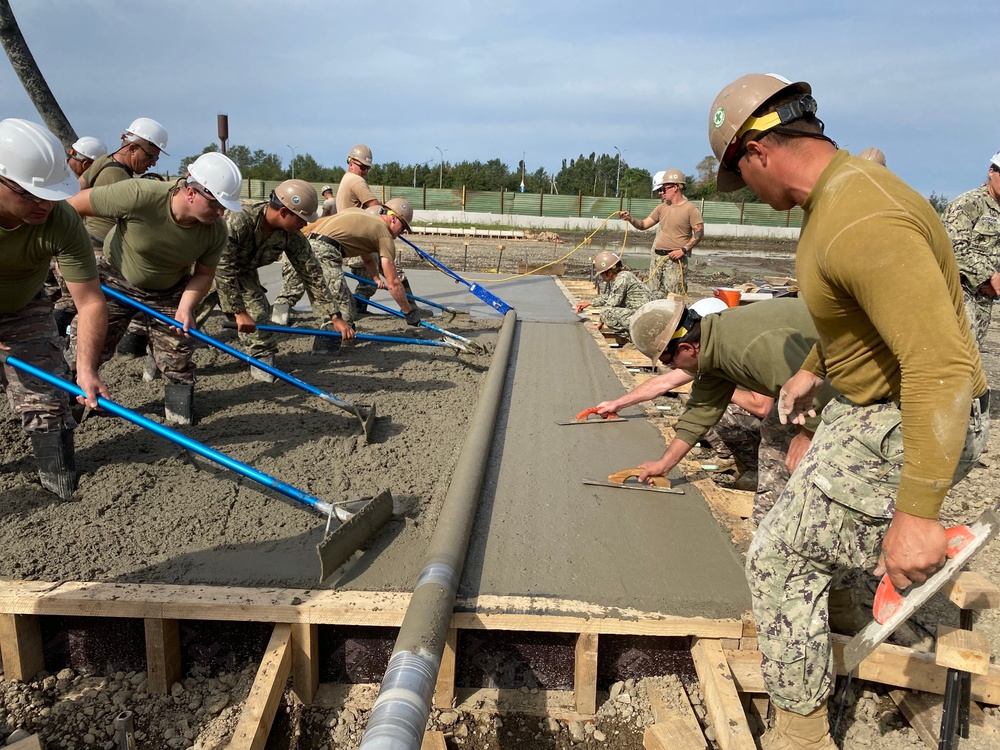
675, 724
964, 650
923, 712
265, 694
732, 731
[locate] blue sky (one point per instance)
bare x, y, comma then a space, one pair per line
550, 78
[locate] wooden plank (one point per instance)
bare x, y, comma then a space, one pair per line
668, 703
265, 694
433, 741
163, 654
21, 647
444, 689
305, 661
964, 650
891, 665
721, 700
673, 734
971, 590
585, 673
923, 712
28, 743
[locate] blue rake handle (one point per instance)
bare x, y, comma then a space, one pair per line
229, 462
339, 403
484, 294
359, 336
468, 342
415, 298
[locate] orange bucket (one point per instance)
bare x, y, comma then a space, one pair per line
728, 295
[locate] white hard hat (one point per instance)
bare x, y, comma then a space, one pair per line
995, 161
709, 305
658, 180
89, 147
35, 159
653, 326
149, 130
220, 176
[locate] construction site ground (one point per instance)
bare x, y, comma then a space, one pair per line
560, 577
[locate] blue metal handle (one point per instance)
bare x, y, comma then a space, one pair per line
174, 436
425, 324
484, 294
359, 336
230, 350
413, 297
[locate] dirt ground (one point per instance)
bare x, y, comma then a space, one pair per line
146, 513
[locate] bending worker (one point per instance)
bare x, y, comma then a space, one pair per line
260, 234
356, 233
37, 225
625, 294
913, 414
162, 231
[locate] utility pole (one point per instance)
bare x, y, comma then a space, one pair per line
618, 172
292, 162
441, 167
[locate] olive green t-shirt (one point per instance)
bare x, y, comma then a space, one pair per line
877, 271
25, 252
147, 245
358, 232
104, 171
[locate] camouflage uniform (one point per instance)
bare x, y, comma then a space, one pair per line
331, 262
831, 517
171, 349
31, 335
666, 276
973, 224
237, 286
626, 295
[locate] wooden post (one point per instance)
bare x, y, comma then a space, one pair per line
501, 201
305, 661
265, 694
463, 198
541, 200
585, 673
721, 700
579, 204
743, 205
21, 647
444, 690
424, 206
163, 654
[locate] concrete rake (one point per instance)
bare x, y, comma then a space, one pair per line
452, 312
353, 529
474, 346
445, 343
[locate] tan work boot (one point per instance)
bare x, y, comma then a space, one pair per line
846, 615
792, 731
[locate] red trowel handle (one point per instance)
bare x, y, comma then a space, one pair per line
888, 601
593, 410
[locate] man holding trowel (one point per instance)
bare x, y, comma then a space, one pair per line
914, 411
260, 234
36, 225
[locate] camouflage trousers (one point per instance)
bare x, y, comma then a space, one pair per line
760, 444
331, 260
979, 310
616, 319
31, 335
830, 520
666, 276
170, 348
259, 343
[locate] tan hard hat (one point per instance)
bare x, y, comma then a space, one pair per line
401, 208
299, 197
653, 326
674, 177
360, 153
873, 154
605, 260
326, 189
733, 109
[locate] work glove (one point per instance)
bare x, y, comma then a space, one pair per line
412, 317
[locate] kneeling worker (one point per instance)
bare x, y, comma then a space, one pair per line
625, 295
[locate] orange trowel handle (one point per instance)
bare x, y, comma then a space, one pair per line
621, 477
593, 410
888, 600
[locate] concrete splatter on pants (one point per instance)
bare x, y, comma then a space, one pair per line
31, 335
666, 277
171, 350
259, 343
831, 518
616, 319
979, 311
331, 260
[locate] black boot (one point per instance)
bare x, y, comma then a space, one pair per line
63, 319
133, 345
178, 403
326, 344
56, 461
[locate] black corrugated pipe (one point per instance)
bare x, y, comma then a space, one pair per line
400, 713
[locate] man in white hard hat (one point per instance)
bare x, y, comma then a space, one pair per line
972, 221
681, 229
36, 224
82, 154
260, 234
913, 414
163, 231
624, 294
329, 202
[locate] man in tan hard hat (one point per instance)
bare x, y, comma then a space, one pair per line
368, 235
354, 192
260, 234
623, 296
914, 411
681, 229
972, 221
329, 202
